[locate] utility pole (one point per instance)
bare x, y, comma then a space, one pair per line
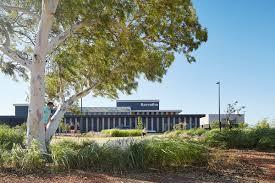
220, 123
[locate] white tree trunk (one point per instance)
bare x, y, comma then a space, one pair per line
58, 115
55, 120
35, 127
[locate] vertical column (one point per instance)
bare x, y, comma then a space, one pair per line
97, 124
124, 123
130, 121
146, 123
157, 124
168, 123
87, 125
185, 122
174, 122
92, 124
152, 123
114, 122
135, 122
109, 123
75, 123
162, 124
119, 122
103, 123
190, 122
196, 125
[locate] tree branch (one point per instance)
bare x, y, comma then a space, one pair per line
23, 10
16, 56
64, 35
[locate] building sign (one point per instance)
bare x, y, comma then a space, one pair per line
136, 105
149, 104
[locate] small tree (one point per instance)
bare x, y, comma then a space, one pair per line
243, 125
230, 111
180, 126
263, 124
139, 123
215, 124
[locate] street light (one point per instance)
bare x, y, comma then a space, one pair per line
219, 83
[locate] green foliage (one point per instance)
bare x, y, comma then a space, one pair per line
136, 155
260, 138
263, 124
30, 159
242, 125
139, 123
191, 132
215, 125
121, 41
64, 127
173, 153
180, 126
197, 131
10, 136
122, 133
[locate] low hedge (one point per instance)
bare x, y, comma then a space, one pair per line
162, 154
10, 136
122, 133
250, 138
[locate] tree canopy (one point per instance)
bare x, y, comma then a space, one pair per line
75, 47
120, 41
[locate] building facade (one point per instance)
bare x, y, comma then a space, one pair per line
211, 118
124, 115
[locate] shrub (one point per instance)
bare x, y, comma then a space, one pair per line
137, 155
191, 132
22, 128
242, 125
139, 123
10, 136
30, 159
122, 133
197, 131
173, 153
263, 124
251, 138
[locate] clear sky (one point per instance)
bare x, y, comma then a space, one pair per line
240, 53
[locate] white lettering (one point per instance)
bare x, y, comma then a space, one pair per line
149, 104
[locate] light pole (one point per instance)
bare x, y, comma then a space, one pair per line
220, 124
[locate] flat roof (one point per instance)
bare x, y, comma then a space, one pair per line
20, 104
106, 109
137, 100
156, 110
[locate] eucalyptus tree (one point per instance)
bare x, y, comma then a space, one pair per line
67, 49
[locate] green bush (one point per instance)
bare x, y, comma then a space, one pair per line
30, 159
251, 138
197, 131
22, 128
10, 136
191, 132
122, 133
173, 153
137, 155
263, 124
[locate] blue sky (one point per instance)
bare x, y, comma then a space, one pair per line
239, 53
